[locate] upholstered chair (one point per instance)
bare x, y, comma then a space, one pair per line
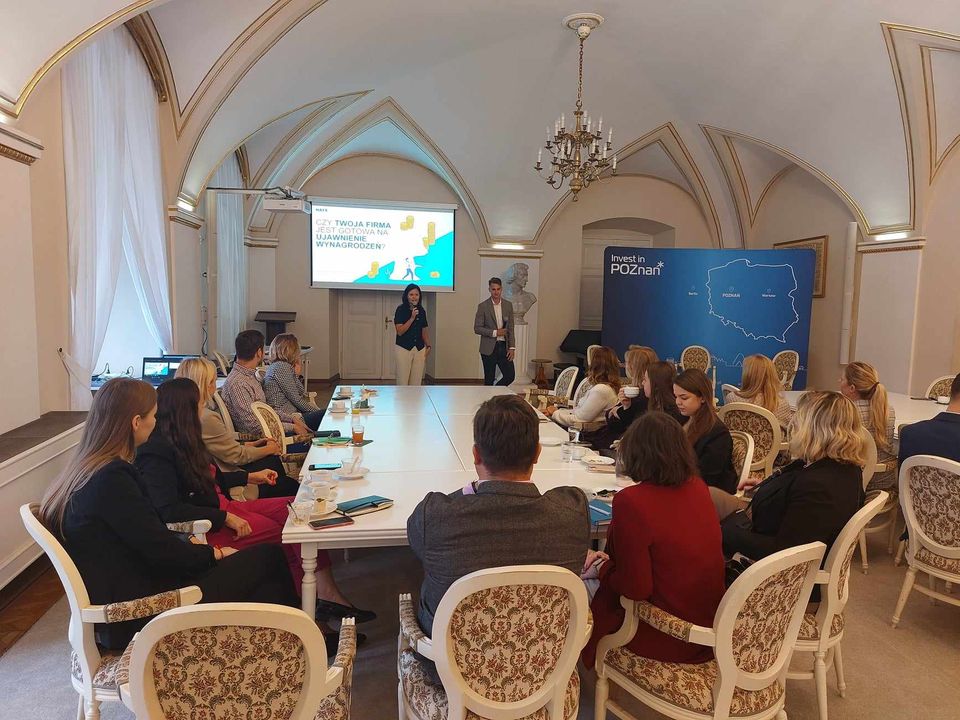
228, 421
563, 386
695, 357
787, 363
582, 389
97, 677
930, 498
822, 631
273, 428
885, 519
239, 660
726, 389
753, 635
939, 387
220, 360
760, 424
505, 646
742, 455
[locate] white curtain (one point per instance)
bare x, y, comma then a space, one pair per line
114, 198
231, 256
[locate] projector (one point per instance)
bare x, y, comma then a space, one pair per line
283, 205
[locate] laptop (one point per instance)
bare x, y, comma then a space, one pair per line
158, 369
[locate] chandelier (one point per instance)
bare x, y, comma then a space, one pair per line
578, 153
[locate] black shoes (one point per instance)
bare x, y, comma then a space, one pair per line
329, 610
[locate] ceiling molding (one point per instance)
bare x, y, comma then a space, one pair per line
14, 106
243, 162
388, 110
147, 39
669, 139
936, 155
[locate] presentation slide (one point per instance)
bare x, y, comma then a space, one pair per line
382, 246
733, 302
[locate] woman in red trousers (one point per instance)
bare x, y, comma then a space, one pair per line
184, 484
663, 543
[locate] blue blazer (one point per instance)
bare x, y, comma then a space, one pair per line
939, 436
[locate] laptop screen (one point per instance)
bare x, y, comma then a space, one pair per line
173, 362
157, 369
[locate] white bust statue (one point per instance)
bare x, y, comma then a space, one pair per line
515, 280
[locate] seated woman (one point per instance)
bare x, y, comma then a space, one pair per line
99, 509
229, 453
663, 543
281, 385
184, 484
762, 387
810, 499
604, 378
861, 384
619, 417
709, 436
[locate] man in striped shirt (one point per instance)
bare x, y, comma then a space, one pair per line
242, 387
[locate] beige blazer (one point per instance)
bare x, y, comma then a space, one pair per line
229, 453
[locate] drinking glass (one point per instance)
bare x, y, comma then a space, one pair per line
357, 430
566, 452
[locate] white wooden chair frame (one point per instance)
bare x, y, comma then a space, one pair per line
224, 413
590, 349
563, 385
726, 389
696, 347
744, 474
787, 380
826, 648
319, 681
460, 697
250, 491
582, 389
763, 463
83, 615
221, 360
291, 461
720, 638
870, 468
917, 537
929, 391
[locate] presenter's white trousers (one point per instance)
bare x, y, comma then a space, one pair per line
410, 364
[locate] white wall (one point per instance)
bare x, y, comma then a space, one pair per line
379, 178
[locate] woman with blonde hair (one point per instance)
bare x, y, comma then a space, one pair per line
229, 453
761, 386
281, 385
619, 417
814, 496
603, 377
861, 383
99, 509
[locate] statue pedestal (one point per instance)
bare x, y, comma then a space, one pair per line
521, 358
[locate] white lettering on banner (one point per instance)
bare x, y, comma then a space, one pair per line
634, 268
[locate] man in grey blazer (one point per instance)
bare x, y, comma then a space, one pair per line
494, 324
501, 518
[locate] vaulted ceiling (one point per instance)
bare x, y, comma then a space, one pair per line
720, 99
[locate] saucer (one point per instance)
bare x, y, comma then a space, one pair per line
323, 507
355, 475
550, 442
597, 460
334, 411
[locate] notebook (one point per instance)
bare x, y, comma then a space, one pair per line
364, 505
600, 512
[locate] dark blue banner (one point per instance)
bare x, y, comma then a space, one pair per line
733, 302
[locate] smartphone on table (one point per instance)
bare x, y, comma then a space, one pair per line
331, 522
325, 466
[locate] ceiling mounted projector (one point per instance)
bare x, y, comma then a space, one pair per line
284, 205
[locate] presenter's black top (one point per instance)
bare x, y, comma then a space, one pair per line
413, 337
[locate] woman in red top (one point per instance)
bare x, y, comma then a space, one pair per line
663, 543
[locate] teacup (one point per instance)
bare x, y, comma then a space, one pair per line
346, 389
349, 467
323, 491
943, 399
631, 391
319, 476
339, 406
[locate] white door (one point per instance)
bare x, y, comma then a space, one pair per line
595, 243
367, 335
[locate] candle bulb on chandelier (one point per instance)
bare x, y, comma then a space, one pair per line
563, 121
539, 155
600, 126
610, 135
614, 163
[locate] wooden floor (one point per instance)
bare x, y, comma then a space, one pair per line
26, 599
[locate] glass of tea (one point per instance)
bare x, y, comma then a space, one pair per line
357, 429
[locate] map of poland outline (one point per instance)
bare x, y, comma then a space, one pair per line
747, 265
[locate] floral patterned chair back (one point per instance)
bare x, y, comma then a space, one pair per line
930, 498
787, 363
742, 454
582, 389
759, 619
512, 637
760, 424
940, 387
695, 357
563, 387
270, 423
225, 660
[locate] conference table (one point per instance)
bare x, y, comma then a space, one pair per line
907, 409
422, 442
